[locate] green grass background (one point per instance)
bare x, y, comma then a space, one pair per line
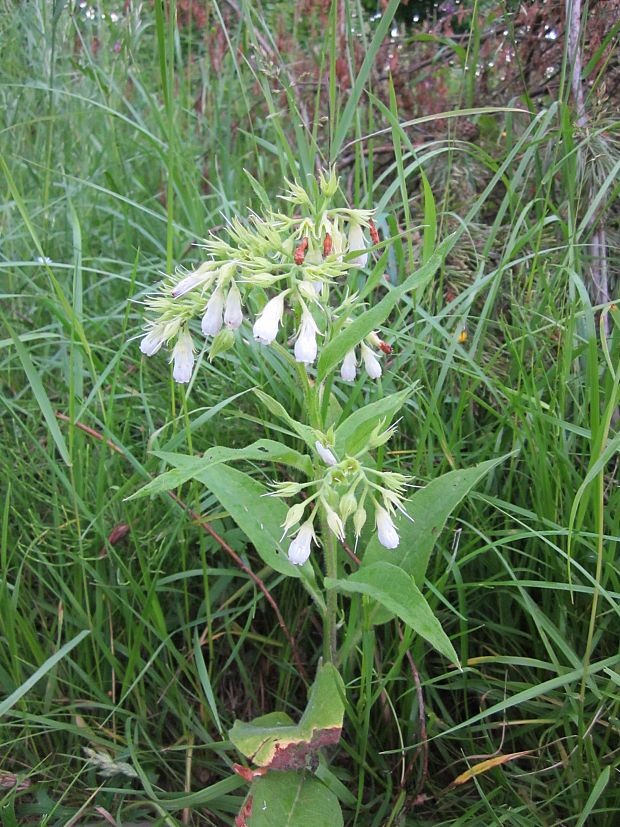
121, 146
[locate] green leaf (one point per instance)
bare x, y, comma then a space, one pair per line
352, 434
222, 342
429, 508
305, 432
333, 353
14, 697
293, 799
396, 590
187, 467
276, 742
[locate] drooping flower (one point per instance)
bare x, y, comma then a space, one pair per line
371, 363
325, 453
183, 357
203, 274
306, 346
299, 549
266, 325
348, 369
356, 241
153, 340
212, 319
386, 531
233, 314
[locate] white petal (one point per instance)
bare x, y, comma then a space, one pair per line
266, 325
306, 346
199, 276
371, 363
212, 319
299, 549
325, 453
356, 241
348, 369
183, 358
233, 314
152, 342
386, 531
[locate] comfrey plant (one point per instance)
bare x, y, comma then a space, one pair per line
286, 282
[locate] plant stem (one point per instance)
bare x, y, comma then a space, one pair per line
331, 570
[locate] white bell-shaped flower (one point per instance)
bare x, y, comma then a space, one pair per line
299, 549
200, 276
356, 241
212, 319
183, 357
233, 314
266, 325
153, 340
386, 530
306, 346
348, 369
325, 453
371, 363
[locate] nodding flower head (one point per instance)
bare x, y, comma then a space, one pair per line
371, 363
212, 319
348, 369
386, 530
153, 340
300, 547
266, 325
306, 346
356, 241
233, 314
183, 357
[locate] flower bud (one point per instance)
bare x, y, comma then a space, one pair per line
203, 274
293, 516
334, 522
348, 504
359, 520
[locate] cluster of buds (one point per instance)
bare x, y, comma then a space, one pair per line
295, 259
343, 490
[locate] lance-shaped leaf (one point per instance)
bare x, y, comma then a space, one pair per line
428, 508
188, 468
395, 590
290, 799
305, 432
352, 434
276, 742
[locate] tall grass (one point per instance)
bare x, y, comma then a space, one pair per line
121, 147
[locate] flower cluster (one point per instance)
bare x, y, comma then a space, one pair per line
271, 262
344, 491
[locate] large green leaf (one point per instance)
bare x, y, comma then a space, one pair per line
352, 434
396, 590
305, 432
292, 799
276, 742
188, 467
429, 509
